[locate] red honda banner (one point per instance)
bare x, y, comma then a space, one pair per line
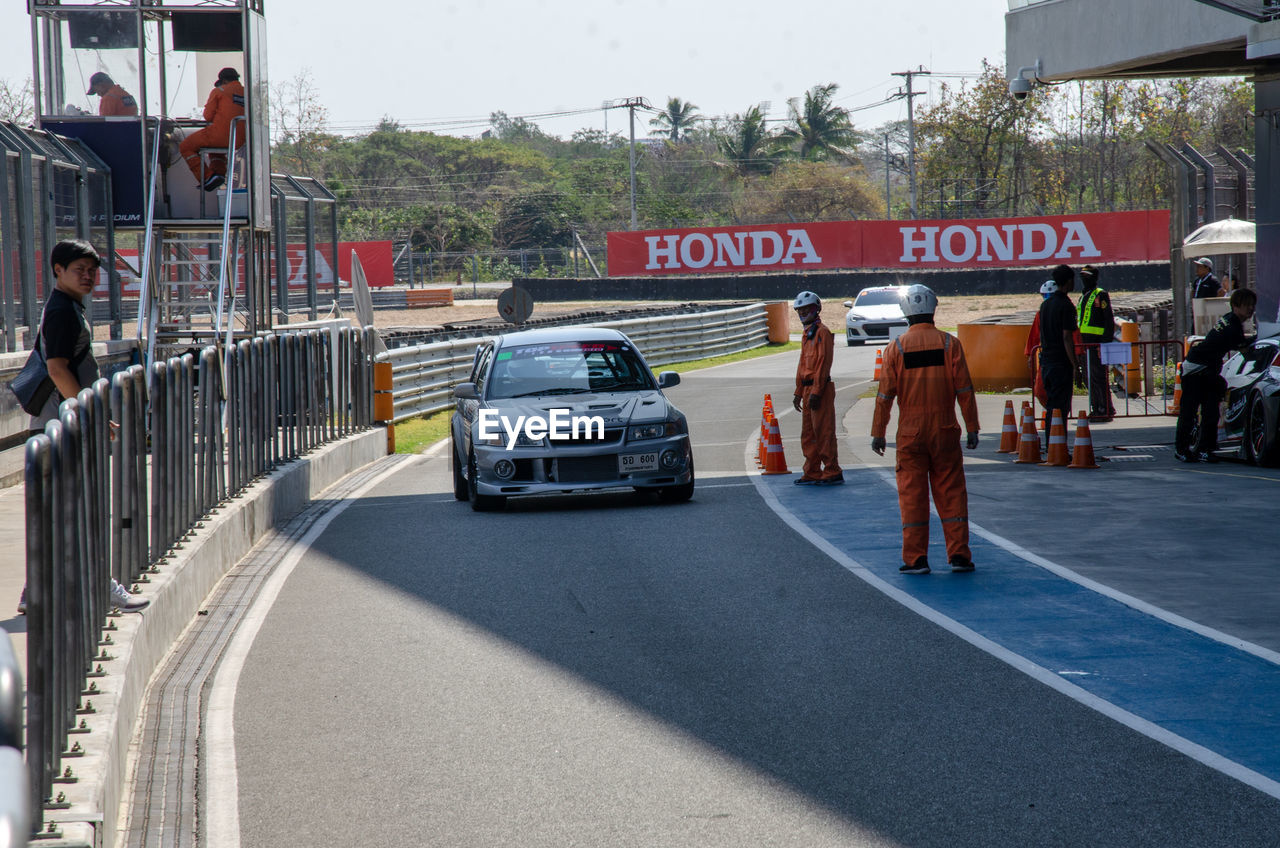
902, 245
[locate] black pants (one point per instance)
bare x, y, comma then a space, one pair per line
1099, 391
1059, 384
1201, 394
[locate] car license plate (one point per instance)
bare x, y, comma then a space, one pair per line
629, 463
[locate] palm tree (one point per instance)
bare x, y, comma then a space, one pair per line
749, 145
679, 116
821, 129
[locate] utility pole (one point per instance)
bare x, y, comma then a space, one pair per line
887, 211
631, 104
911, 95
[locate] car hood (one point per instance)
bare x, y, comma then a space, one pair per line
616, 408
887, 312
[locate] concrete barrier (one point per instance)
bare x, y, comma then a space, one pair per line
995, 355
177, 594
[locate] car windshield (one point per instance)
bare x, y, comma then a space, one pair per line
884, 297
565, 368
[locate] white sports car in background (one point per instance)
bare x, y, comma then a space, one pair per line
872, 313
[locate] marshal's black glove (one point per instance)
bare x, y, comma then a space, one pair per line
971, 441
878, 444
795, 402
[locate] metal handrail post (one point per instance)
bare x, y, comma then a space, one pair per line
144, 293
160, 482
226, 232
42, 701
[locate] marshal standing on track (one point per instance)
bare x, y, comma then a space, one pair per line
925, 370
815, 397
1097, 326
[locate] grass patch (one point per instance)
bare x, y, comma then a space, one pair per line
694, 364
418, 434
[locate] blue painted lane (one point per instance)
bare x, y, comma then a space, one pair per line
1207, 692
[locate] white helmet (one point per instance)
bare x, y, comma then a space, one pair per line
1049, 287
919, 300
806, 298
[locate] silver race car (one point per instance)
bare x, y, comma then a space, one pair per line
562, 410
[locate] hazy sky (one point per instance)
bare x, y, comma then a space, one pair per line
446, 65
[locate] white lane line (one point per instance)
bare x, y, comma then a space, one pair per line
222, 811
1199, 753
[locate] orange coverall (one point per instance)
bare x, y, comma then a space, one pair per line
117, 101
926, 371
226, 102
817, 426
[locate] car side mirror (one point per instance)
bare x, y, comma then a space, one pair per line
667, 379
848, 304
466, 391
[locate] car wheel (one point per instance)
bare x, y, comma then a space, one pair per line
460, 491
677, 494
1260, 441
479, 502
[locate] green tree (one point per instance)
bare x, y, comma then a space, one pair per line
299, 119
680, 115
749, 145
820, 129
814, 191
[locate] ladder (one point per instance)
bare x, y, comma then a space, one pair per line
190, 274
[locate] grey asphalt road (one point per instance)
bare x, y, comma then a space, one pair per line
610, 671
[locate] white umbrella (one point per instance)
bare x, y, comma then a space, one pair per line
1221, 237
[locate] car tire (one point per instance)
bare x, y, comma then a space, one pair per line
460, 490
479, 502
677, 494
1261, 445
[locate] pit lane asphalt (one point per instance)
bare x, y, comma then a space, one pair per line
597, 670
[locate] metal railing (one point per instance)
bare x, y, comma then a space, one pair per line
1142, 380
209, 425
423, 376
14, 807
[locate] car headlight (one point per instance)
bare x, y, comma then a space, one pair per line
854, 316
656, 430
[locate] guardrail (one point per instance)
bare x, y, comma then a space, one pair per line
423, 376
209, 430
14, 804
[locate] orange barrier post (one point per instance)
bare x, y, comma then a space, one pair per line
383, 402
775, 462
1057, 441
1082, 454
879, 362
1009, 432
1029, 445
1177, 390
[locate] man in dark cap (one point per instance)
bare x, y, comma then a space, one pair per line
115, 100
225, 104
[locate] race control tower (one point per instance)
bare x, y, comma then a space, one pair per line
172, 96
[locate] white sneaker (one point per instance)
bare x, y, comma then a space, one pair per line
125, 602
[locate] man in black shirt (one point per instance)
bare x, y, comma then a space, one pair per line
1205, 284
1202, 384
66, 339
65, 336
1058, 364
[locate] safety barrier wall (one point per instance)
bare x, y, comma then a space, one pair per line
96, 508
423, 376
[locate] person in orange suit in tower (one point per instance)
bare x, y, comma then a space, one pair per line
225, 103
925, 370
815, 397
115, 100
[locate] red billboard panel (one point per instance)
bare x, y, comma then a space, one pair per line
903, 245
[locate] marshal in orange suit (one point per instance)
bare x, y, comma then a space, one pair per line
225, 104
815, 397
925, 370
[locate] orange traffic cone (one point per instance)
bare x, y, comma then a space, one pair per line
1029, 444
1082, 453
1177, 389
775, 462
879, 362
763, 442
1057, 441
1009, 433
